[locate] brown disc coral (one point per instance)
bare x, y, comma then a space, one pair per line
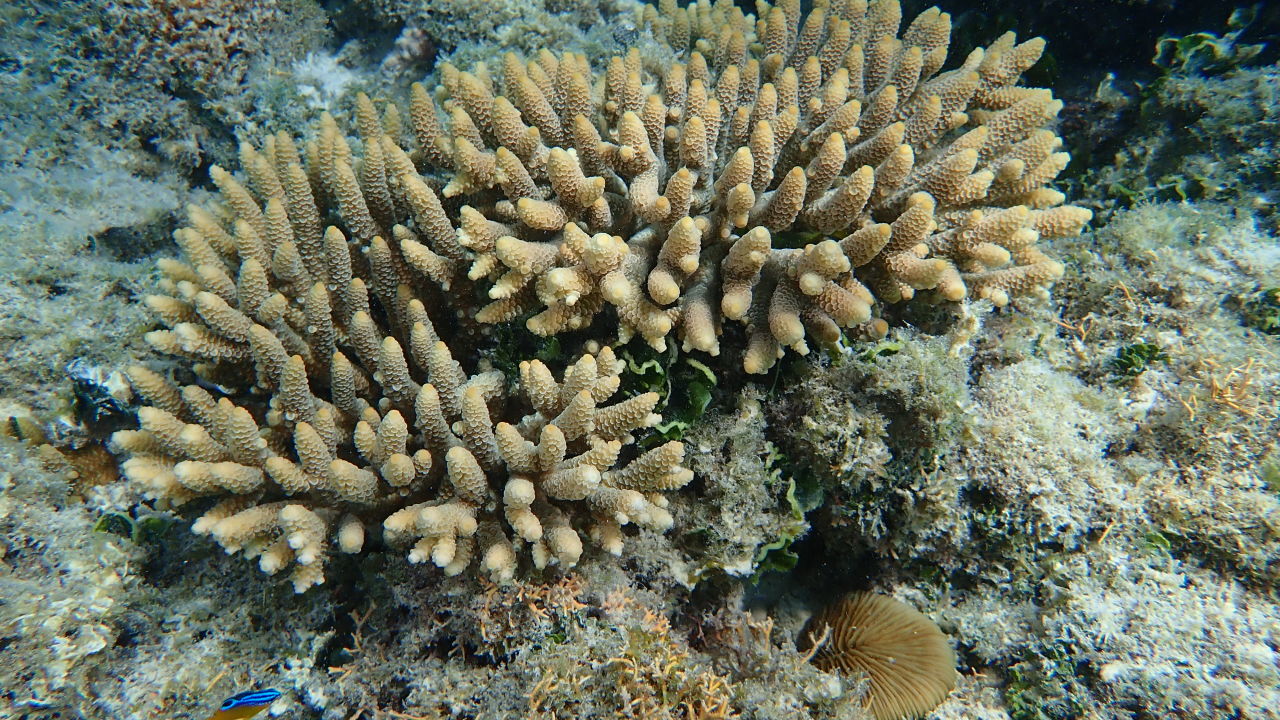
909, 661
304, 463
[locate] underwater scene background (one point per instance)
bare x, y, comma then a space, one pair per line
401, 359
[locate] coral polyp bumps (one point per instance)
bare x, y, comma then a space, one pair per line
655, 199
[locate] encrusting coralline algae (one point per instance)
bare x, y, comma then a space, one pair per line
662, 199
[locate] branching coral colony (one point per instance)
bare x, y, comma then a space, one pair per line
651, 195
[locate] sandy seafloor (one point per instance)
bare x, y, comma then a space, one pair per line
1082, 490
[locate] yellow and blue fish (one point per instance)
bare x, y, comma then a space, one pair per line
245, 705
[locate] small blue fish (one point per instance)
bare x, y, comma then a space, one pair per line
245, 705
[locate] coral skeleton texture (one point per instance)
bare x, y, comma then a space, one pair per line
663, 198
